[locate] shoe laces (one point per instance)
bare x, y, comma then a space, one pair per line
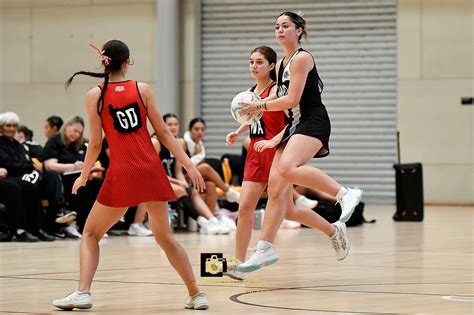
335, 242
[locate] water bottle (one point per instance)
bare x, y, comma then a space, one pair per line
258, 218
192, 225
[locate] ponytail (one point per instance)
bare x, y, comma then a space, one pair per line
113, 55
105, 75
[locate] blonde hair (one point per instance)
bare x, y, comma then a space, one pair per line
80, 141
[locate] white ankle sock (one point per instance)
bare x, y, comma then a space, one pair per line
263, 245
342, 191
214, 219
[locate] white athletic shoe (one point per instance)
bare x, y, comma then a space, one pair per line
72, 232
233, 272
228, 222
137, 229
287, 224
213, 227
348, 203
232, 195
339, 241
258, 259
197, 302
76, 299
304, 202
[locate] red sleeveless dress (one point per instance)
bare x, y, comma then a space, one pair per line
135, 173
258, 164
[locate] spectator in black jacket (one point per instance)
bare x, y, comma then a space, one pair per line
11, 196
64, 154
15, 159
52, 126
24, 135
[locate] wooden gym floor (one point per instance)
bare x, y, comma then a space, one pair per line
392, 268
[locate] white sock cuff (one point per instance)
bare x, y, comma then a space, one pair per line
263, 245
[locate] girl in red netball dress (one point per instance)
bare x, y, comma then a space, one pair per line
121, 107
257, 165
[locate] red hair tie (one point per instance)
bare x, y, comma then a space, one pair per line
104, 58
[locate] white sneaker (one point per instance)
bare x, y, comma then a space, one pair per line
210, 227
232, 195
224, 229
258, 259
72, 232
287, 224
339, 241
233, 272
348, 203
228, 222
137, 229
197, 302
76, 299
304, 202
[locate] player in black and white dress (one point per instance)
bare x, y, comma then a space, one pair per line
305, 137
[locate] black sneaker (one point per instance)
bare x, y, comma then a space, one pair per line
43, 236
65, 216
60, 233
26, 237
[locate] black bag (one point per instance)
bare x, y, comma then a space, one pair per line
409, 191
331, 212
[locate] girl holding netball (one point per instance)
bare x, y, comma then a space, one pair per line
306, 136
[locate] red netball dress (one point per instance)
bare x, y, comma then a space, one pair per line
135, 173
258, 164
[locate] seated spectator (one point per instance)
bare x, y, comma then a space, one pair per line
24, 136
12, 197
193, 145
64, 154
187, 197
52, 126
31, 178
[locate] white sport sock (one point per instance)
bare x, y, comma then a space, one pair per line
263, 245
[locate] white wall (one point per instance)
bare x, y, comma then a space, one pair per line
435, 69
44, 42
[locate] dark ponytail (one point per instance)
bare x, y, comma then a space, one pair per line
113, 55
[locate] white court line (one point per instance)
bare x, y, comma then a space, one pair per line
460, 297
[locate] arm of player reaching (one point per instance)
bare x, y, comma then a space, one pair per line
262, 145
95, 138
300, 67
166, 137
232, 136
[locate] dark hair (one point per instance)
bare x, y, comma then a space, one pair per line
26, 131
75, 120
114, 54
195, 121
270, 55
169, 115
55, 121
299, 22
